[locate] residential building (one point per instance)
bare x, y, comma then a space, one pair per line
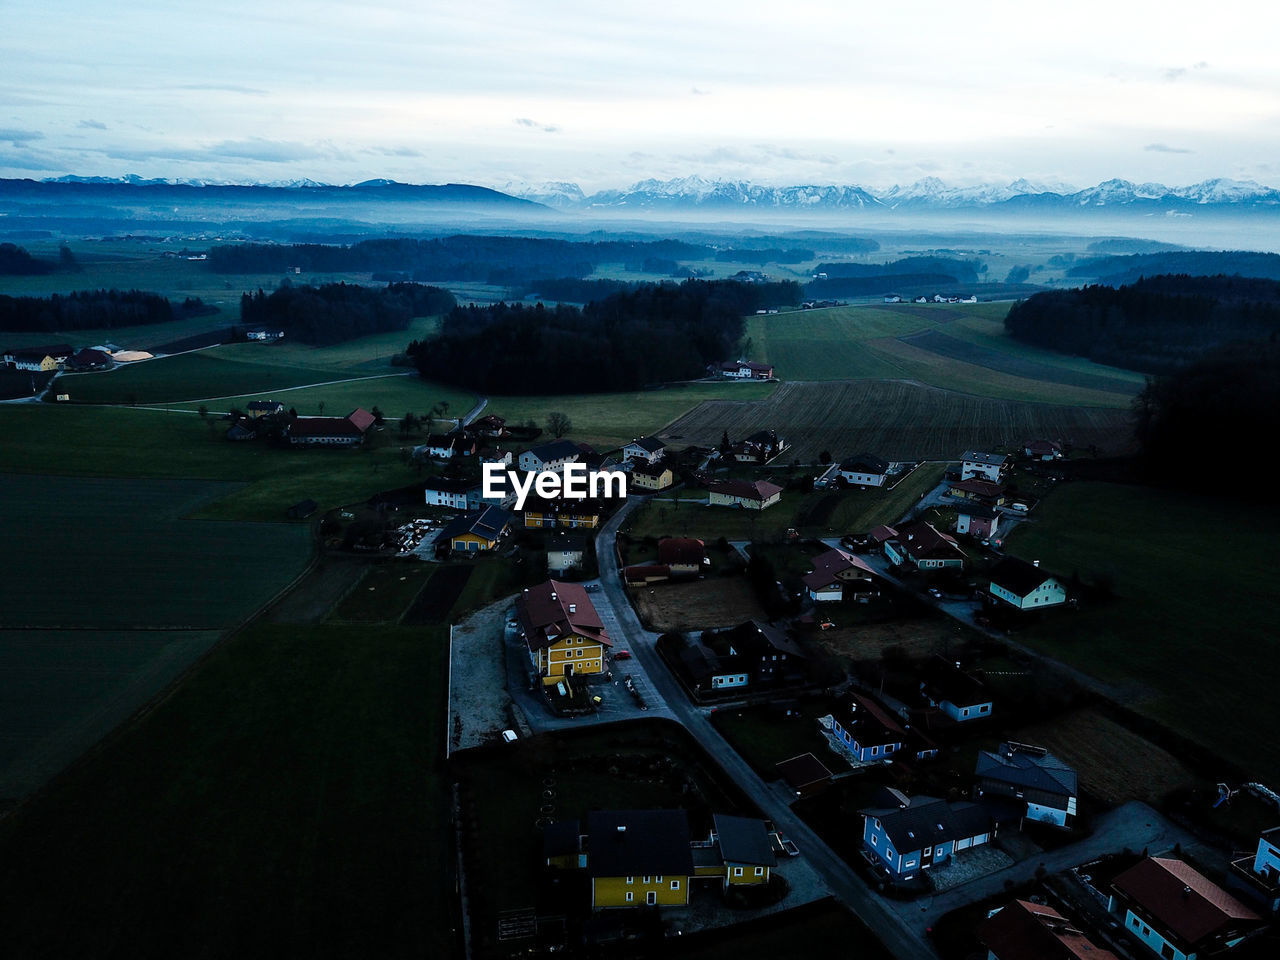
476, 532
1042, 787
638, 857
497, 455
550, 456
565, 550
740, 852
38, 359
982, 492
1043, 449
447, 492
1033, 931
982, 523
446, 446
746, 494
743, 370
489, 426
1262, 870
711, 672
1177, 912
922, 546
983, 466
683, 555
926, 833
838, 576
562, 631
868, 731
865, 470
264, 408
958, 694
769, 654
646, 449
651, 477
1024, 586
760, 447
542, 512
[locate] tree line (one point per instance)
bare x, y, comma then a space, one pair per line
337, 312
1116, 270
93, 310
1155, 325
649, 334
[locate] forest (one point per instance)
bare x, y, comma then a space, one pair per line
15, 261
93, 310
336, 312
1116, 270
649, 334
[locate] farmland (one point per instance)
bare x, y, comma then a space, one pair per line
1191, 627
697, 604
898, 420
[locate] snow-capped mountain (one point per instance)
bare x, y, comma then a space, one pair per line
556, 194
699, 192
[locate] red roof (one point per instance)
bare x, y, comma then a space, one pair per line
362, 418
1186, 903
923, 540
828, 566
682, 550
324, 427
553, 609
882, 533
983, 488
1031, 931
760, 490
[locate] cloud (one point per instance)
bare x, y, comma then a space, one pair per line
266, 151
545, 128
223, 87
699, 93
1177, 73
91, 125
19, 137
1165, 148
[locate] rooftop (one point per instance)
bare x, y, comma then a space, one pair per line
1187, 903
625, 843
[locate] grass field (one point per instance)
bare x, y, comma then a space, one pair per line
248, 814
384, 592
1192, 628
899, 421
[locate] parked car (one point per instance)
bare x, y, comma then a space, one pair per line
592, 587
935, 593
622, 655
509, 736
789, 847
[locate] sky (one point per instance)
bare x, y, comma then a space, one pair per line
607, 94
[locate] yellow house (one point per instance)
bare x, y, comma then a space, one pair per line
638, 857
745, 850
561, 512
475, 532
562, 630
656, 477
748, 495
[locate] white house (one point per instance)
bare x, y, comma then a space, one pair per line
865, 470
550, 456
985, 466
443, 492
646, 449
1024, 586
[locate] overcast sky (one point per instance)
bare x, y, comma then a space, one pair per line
604, 94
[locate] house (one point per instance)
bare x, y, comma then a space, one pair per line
1024, 586
770, 655
589, 455
652, 477
541, 512
489, 426
447, 492
446, 446
239, 431
1262, 870
494, 455
892, 298
1177, 912
683, 555
881, 534
710, 672
958, 694
921, 545
562, 631
565, 550
926, 833
742, 852
1044, 787
264, 408
746, 494
869, 732
982, 492
646, 449
978, 521
549, 456
864, 470
838, 576
742, 370
761, 447
983, 466
1043, 449
88, 359
475, 532
38, 359
1034, 931
265, 336
805, 774
638, 857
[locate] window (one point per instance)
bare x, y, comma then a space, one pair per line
985, 708
737, 871
1166, 951
928, 851
651, 897
647, 879
675, 884
875, 751
658, 878
630, 896
875, 841
759, 871
631, 879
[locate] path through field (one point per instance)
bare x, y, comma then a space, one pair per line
898, 420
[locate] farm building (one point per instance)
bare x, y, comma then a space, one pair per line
927, 832
749, 495
1178, 912
475, 532
1033, 931
646, 449
865, 470
489, 426
1042, 787
742, 370
562, 631
264, 408
838, 576
239, 431
978, 521
1024, 586
446, 446
38, 359
550, 456
565, 550
325, 432
88, 359
923, 547
958, 694
494, 455
983, 466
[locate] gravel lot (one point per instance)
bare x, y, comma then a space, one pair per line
479, 707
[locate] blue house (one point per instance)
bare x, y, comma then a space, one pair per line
1041, 786
959, 695
869, 732
926, 833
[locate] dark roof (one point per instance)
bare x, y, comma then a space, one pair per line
261, 404
648, 444
651, 469
882, 533
978, 510
562, 506
1041, 447
760, 490
983, 488
1027, 768
743, 840
928, 821
626, 843
559, 838
555, 450
944, 680
239, 431
754, 638
1186, 903
1031, 931
737, 364
450, 485
803, 771
553, 609
324, 427
53, 350
828, 566
566, 540
1017, 576
683, 550
923, 540
487, 522
89, 357
991, 459
865, 463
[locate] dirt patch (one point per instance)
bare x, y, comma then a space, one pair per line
438, 597
919, 638
697, 604
1114, 763
312, 599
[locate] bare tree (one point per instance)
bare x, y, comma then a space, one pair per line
558, 423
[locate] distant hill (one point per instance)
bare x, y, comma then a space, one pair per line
1117, 270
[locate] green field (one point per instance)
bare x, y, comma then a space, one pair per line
1191, 632
287, 800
